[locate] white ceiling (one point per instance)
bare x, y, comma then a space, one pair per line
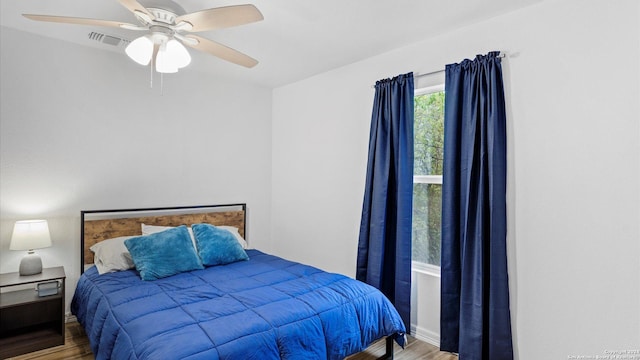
297, 39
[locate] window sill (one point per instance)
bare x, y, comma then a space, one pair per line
426, 269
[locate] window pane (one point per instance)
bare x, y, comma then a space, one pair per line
428, 133
427, 203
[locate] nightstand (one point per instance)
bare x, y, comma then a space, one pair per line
29, 322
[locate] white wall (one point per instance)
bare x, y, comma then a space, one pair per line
81, 129
572, 83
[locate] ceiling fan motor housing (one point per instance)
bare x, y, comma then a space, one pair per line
160, 34
163, 16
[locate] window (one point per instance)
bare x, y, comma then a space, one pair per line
427, 174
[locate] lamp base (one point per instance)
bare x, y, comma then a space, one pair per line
31, 264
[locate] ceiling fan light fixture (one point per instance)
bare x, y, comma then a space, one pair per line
164, 64
172, 56
140, 50
176, 54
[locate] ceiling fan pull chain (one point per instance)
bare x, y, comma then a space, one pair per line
161, 84
151, 76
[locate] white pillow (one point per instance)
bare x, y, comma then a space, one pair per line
112, 255
236, 233
150, 229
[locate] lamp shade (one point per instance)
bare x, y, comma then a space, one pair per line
164, 64
171, 57
178, 54
30, 234
140, 50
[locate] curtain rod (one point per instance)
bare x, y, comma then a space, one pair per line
501, 56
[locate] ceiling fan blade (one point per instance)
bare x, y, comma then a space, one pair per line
134, 6
221, 51
77, 21
222, 17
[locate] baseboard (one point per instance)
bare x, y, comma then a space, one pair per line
68, 317
425, 335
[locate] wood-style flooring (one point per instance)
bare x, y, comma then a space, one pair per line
413, 350
76, 346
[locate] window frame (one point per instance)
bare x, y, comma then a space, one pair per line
418, 266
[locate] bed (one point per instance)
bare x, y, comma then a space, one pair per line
261, 307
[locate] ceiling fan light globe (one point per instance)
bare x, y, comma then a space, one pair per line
176, 54
140, 50
164, 64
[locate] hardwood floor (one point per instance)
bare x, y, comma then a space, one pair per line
414, 350
77, 347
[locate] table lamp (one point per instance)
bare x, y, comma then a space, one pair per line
29, 235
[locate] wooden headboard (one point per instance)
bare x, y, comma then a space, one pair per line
99, 225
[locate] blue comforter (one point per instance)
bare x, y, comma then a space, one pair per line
264, 308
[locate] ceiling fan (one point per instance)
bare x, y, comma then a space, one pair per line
168, 27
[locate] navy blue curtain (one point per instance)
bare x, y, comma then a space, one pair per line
475, 318
384, 246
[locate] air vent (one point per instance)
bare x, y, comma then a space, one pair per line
108, 39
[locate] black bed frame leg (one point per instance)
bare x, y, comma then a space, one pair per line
388, 355
389, 347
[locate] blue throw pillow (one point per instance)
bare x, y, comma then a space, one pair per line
164, 253
217, 246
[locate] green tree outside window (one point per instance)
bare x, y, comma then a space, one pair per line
427, 195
